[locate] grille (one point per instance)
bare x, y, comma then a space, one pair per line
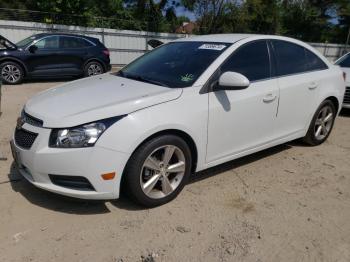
24, 138
31, 120
72, 182
347, 95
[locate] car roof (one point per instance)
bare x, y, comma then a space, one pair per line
233, 38
64, 34
219, 38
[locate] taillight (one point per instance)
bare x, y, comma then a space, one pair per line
106, 52
344, 76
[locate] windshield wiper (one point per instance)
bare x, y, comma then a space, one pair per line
142, 79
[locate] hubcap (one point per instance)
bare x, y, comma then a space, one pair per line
162, 171
94, 69
323, 123
11, 73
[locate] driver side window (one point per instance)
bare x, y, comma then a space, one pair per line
50, 42
251, 60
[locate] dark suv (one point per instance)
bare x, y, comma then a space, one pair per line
51, 55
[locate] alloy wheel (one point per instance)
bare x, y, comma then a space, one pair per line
94, 69
323, 123
11, 73
162, 171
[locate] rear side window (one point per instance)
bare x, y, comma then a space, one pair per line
345, 62
314, 62
291, 58
73, 42
251, 60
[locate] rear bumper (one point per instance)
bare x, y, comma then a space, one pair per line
40, 161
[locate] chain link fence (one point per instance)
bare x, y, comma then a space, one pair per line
126, 38
81, 20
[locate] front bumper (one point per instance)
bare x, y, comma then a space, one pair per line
40, 161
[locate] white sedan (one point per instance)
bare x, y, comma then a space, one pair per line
344, 63
185, 106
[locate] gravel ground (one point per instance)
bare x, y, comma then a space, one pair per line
288, 203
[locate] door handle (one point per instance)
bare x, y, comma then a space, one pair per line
313, 85
269, 98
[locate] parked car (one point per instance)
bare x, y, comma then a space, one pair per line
344, 63
183, 107
52, 55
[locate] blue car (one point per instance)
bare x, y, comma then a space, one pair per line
52, 55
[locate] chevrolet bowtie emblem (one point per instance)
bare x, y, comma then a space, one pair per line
20, 122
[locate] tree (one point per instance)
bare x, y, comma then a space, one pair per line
261, 16
343, 28
210, 13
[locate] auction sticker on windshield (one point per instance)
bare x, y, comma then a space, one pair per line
212, 47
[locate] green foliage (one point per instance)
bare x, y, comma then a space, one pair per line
309, 20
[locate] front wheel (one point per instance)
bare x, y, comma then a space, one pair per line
158, 170
321, 124
11, 73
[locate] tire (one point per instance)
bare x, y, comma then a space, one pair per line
146, 176
11, 73
321, 127
93, 68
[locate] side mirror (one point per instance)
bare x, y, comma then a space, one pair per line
154, 43
33, 49
232, 81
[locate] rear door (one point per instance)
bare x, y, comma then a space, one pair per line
73, 53
299, 73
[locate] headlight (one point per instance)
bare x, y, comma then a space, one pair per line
81, 136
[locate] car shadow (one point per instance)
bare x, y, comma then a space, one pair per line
216, 170
124, 203
68, 205
53, 201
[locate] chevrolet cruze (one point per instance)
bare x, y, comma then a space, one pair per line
185, 106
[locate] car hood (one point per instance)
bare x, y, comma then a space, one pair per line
95, 98
6, 44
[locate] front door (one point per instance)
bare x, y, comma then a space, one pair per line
240, 120
45, 59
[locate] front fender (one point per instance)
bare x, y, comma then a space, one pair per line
131, 131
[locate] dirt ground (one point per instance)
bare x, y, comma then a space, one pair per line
288, 203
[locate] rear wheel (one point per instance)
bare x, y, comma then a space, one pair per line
93, 68
158, 170
11, 73
321, 124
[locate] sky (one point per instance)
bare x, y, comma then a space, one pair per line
181, 11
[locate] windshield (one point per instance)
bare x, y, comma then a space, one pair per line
177, 64
25, 41
344, 61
